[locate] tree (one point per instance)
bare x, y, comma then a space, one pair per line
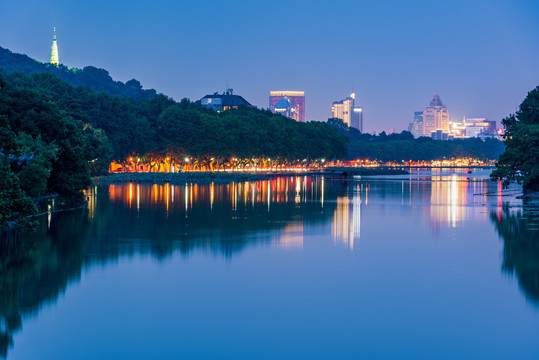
15, 205
55, 138
520, 161
34, 177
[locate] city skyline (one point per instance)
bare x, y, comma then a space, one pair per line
347, 110
165, 47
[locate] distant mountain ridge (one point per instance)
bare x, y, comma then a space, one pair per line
96, 79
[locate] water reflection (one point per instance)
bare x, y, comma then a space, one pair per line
346, 225
225, 219
449, 197
36, 269
519, 231
292, 236
155, 219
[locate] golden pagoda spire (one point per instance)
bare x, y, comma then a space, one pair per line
55, 59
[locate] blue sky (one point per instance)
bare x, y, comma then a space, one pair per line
481, 56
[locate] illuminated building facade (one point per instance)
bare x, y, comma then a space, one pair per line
458, 130
288, 103
474, 127
55, 59
223, 102
435, 117
285, 108
483, 125
416, 127
441, 135
348, 112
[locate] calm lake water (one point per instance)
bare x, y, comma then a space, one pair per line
433, 265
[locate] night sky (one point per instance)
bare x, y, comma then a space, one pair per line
481, 56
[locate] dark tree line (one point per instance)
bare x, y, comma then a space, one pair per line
246, 133
163, 126
403, 146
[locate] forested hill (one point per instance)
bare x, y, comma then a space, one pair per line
96, 79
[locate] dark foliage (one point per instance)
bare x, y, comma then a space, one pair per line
30, 123
161, 125
520, 161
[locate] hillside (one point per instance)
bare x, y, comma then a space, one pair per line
96, 79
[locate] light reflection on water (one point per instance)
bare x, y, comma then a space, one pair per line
449, 199
446, 201
394, 224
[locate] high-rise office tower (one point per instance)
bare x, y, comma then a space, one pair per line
416, 127
288, 103
348, 112
435, 117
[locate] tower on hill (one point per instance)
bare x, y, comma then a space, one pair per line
55, 59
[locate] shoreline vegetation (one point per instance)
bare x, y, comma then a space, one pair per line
203, 177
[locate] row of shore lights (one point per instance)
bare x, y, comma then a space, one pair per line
233, 159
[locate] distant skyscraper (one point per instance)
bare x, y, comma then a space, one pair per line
489, 126
480, 127
441, 135
435, 117
288, 103
350, 114
416, 127
55, 59
474, 127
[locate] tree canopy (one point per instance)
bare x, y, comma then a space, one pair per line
520, 161
163, 126
30, 124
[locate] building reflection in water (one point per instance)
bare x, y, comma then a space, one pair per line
448, 201
91, 196
453, 199
346, 225
292, 236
